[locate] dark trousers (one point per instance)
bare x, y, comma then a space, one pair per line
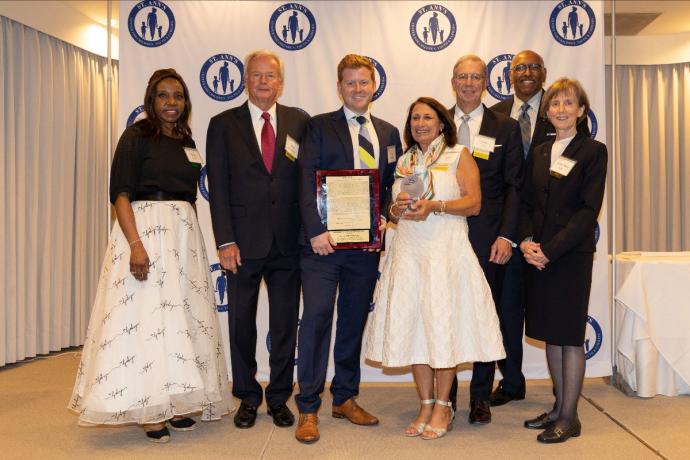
511, 314
282, 276
352, 273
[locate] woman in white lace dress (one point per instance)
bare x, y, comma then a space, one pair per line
433, 306
153, 354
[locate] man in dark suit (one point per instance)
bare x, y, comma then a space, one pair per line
494, 141
336, 140
253, 183
527, 76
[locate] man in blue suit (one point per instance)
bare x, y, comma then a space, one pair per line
331, 141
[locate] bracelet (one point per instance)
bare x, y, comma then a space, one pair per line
441, 211
135, 241
392, 214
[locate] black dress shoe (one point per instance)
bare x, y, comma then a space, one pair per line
480, 411
539, 423
282, 416
555, 434
245, 416
500, 397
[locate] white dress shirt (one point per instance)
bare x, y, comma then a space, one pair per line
353, 125
474, 123
533, 112
258, 122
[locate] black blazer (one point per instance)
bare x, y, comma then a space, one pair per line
501, 179
249, 206
543, 129
327, 145
561, 214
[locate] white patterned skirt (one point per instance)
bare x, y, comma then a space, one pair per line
153, 348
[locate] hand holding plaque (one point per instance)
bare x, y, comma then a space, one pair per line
413, 186
348, 203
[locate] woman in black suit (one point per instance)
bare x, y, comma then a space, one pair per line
562, 196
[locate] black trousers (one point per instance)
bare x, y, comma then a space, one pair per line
282, 276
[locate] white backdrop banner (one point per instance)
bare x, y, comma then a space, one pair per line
413, 45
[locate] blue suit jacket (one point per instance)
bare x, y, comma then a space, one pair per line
327, 144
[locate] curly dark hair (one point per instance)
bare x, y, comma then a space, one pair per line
151, 125
449, 131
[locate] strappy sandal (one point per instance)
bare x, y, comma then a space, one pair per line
418, 427
440, 432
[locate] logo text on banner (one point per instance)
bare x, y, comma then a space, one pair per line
572, 22
433, 27
292, 26
151, 23
222, 77
498, 73
381, 80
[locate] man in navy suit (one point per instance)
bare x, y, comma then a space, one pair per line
331, 141
527, 75
253, 182
494, 141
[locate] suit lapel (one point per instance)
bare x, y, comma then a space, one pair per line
247, 132
343, 132
283, 122
488, 126
383, 148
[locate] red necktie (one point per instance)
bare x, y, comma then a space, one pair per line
268, 141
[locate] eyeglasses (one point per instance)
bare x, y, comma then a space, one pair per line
523, 67
468, 76
256, 76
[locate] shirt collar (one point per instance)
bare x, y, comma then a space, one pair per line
476, 113
350, 115
256, 112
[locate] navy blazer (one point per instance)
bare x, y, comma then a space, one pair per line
561, 213
501, 179
249, 205
327, 145
543, 129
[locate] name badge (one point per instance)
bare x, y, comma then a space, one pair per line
193, 156
390, 150
562, 167
483, 146
443, 164
291, 148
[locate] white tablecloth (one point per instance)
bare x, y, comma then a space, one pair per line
653, 305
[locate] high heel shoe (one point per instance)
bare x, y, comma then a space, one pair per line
418, 427
440, 432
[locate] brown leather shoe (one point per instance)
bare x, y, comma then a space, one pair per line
307, 428
351, 411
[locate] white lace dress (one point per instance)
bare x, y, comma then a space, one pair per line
153, 348
432, 304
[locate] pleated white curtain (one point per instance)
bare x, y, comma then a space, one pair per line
653, 159
54, 212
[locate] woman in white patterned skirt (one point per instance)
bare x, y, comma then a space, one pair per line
153, 354
433, 307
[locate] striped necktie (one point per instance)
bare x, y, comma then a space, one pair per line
525, 128
367, 160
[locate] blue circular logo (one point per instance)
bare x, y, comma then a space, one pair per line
203, 183
381, 78
151, 23
136, 115
292, 26
222, 77
433, 27
498, 71
593, 337
220, 287
593, 124
572, 22
597, 233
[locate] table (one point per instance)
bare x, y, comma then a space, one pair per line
653, 322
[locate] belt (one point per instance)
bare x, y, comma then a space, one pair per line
164, 196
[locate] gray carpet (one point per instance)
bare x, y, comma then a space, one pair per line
36, 424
